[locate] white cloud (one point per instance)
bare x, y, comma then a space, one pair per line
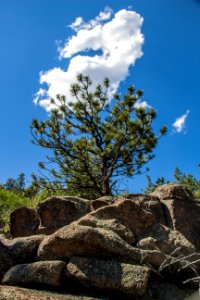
119, 40
77, 23
179, 124
142, 104
103, 16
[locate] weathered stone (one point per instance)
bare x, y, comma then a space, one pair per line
150, 203
47, 230
173, 191
17, 293
35, 274
161, 290
18, 250
56, 212
78, 240
23, 222
109, 275
108, 199
110, 224
95, 204
130, 214
184, 216
24, 249
6, 260
166, 240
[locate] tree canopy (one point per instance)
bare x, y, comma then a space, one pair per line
94, 140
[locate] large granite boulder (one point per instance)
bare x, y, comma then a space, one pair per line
151, 204
184, 216
17, 293
24, 221
24, 249
161, 290
18, 250
39, 273
6, 260
56, 212
107, 199
167, 240
95, 204
78, 240
109, 275
182, 212
115, 225
173, 191
128, 213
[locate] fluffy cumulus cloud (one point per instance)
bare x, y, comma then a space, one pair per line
179, 124
103, 47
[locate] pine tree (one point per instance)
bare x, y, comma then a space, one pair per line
95, 141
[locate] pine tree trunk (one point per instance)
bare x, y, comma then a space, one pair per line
106, 187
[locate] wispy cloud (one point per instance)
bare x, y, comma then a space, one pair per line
179, 124
103, 47
142, 104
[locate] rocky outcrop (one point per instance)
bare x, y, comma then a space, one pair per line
151, 204
17, 293
36, 274
109, 276
181, 211
184, 217
168, 241
134, 247
95, 204
18, 250
129, 213
24, 249
159, 290
115, 225
78, 240
56, 212
23, 222
6, 260
173, 191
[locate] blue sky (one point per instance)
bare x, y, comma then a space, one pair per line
168, 72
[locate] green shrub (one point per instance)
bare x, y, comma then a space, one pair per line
10, 201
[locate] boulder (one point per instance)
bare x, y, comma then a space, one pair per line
35, 274
111, 224
24, 249
18, 250
150, 203
95, 204
173, 191
109, 276
56, 212
23, 222
107, 199
78, 240
184, 216
17, 293
163, 290
168, 241
128, 213
6, 260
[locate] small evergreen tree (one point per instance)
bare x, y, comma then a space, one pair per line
93, 140
187, 180
151, 186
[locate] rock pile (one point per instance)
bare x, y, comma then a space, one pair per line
108, 248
